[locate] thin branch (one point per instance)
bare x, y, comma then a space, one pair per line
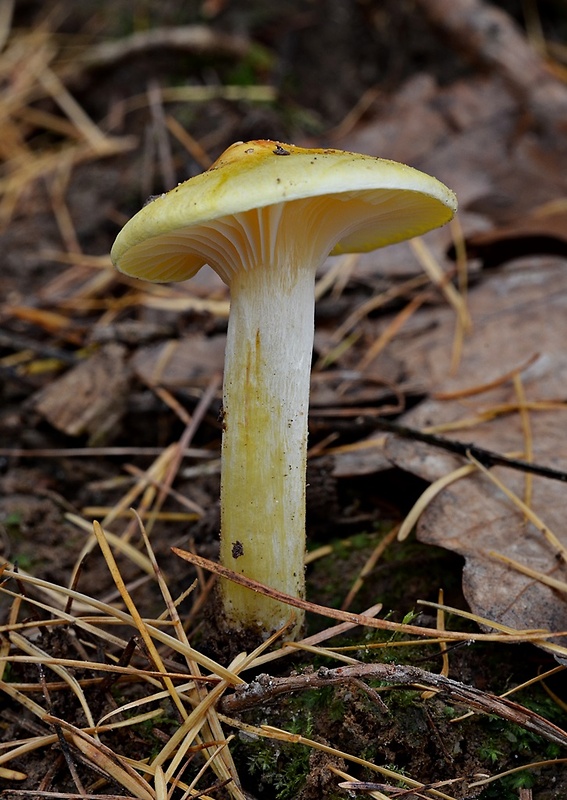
487, 458
265, 688
538, 635
199, 39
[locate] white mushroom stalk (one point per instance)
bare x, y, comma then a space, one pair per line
264, 218
265, 408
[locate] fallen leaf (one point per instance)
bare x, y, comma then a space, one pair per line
517, 312
90, 398
543, 231
176, 363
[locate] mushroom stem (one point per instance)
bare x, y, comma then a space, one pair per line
265, 402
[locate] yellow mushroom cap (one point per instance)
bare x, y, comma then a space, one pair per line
362, 202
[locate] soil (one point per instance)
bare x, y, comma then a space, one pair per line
321, 58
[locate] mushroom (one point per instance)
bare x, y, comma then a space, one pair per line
265, 216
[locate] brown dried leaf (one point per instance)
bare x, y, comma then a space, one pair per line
90, 398
544, 231
516, 313
176, 363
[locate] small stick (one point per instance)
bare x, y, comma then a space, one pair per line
265, 688
487, 458
361, 619
62, 741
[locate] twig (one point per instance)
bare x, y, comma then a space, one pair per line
96, 452
18, 342
26, 793
538, 635
190, 38
159, 129
396, 792
487, 458
62, 741
265, 688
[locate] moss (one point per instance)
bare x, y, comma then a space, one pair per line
507, 788
504, 744
283, 770
415, 736
280, 769
405, 572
